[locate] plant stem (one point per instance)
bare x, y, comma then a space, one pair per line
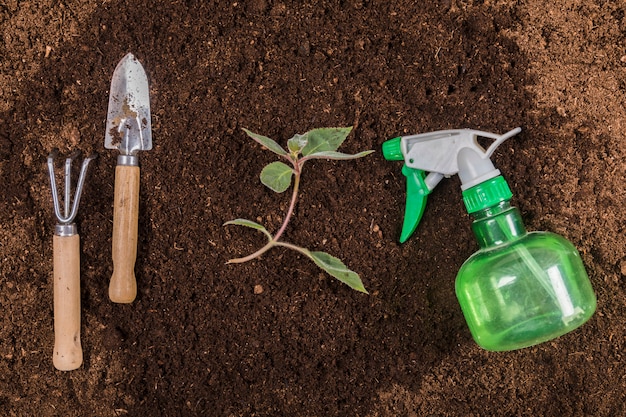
294, 247
292, 205
253, 255
274, 240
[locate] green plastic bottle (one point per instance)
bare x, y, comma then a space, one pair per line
520, 288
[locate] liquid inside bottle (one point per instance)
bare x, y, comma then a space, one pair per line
521, 288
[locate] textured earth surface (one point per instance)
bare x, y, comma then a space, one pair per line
276, 336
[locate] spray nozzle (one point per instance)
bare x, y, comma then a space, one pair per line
441, 154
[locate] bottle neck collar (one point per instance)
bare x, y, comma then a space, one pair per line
498, 225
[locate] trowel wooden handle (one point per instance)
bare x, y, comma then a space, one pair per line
68, 353
123, 286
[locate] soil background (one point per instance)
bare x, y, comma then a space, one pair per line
198, 340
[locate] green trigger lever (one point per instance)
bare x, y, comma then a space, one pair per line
416, 193
418, 185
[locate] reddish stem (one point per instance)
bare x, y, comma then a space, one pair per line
294, 196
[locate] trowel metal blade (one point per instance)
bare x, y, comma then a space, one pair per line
128, 126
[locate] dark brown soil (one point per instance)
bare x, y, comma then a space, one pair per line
199, 340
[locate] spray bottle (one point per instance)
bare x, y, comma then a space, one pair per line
520, 288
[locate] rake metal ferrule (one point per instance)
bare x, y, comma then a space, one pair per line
66, 225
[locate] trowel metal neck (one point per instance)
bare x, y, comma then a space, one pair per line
128, 160
132, 141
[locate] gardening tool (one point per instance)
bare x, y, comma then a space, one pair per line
68, 354
128, 129
520, 288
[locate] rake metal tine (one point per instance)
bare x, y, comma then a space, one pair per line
68, 215
53, 183
79, 186
68, 172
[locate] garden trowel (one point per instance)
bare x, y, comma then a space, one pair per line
128, 129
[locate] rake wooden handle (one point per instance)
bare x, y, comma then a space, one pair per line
68, 353
123, 286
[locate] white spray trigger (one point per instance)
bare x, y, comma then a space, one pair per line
498, 139
450, 152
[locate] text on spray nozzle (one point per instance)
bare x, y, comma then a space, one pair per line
440, 154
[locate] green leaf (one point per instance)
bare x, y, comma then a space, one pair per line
297, 143
267, 142
277, 176
325, 139
337, 155
337, 269
249, 223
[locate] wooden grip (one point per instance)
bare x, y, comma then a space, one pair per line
123, 286
68, 353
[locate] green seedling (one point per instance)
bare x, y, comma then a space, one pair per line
314, 144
